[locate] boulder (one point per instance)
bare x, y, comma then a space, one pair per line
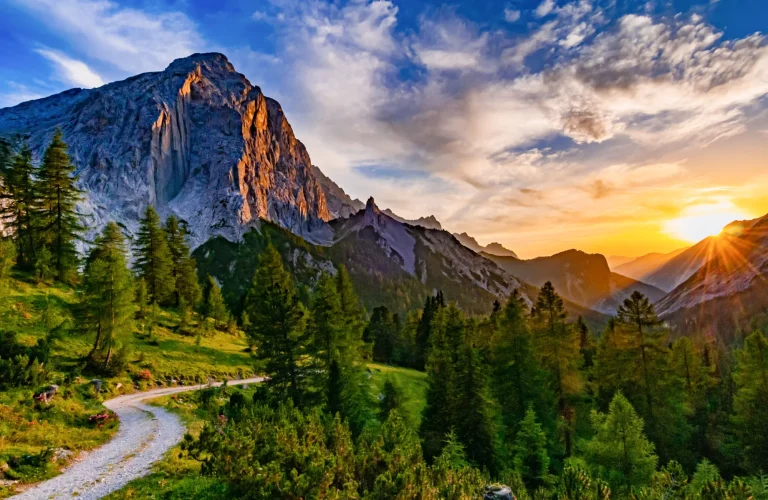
498, 492
96, 383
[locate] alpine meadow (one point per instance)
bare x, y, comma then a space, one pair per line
555, 289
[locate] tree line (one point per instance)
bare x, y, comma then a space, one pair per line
41, 232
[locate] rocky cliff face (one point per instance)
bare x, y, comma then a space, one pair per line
340, 204
197, 140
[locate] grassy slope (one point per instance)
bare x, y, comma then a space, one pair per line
412, 382
28, 429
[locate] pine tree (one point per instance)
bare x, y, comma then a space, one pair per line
153, 258
59, 196
751, 402
557, 347
19, 205
531, 460
423, 333
278, 328
214, 303
587, 345
106, 307
184, 267
619, 450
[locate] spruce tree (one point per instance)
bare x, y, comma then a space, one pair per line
382, 332
751, 402
59, 196
519, 381
531, 460
442, 398
423, 333
184, 267
475, 418
153, 258
20, 205
278, 328
557, 346
215, 308
106, 308
353, 314
619, 450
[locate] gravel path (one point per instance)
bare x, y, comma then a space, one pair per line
146, 433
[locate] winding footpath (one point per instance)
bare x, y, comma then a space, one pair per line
146, 433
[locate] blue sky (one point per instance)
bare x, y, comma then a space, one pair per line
542, 124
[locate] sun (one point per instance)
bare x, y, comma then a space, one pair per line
700, 221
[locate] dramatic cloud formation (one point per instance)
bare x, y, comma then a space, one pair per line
586, 112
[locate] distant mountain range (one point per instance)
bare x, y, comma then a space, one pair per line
198, 140
580, 277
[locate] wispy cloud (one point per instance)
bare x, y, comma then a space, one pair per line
70, 70
511, 15
130, 39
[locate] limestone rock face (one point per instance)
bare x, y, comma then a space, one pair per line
340, 204
197, 140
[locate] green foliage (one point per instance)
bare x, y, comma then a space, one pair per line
383, 333
20, 203
154, 261
278, 329
184, 269
531, 460
751, 402
557, 347
7, 257
214, 302
106, 305
619, 451
60, 226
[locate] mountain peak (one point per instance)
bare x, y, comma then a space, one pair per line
210, 59
370, 205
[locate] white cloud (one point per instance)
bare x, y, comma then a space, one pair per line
72, 71
132, 40
511, 15
17, 94
544, 8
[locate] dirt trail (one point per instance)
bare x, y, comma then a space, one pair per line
146, 433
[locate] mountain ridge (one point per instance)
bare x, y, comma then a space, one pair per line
197, 140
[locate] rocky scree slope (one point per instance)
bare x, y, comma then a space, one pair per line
197, 140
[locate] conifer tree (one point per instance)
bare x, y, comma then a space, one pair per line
475, 422
353, 314
751, 402
153, 258
519, 380
326, 322
184, 267
106, 308
557, 346
278, 328
59, 196
439, 416
7, 257
19, 205
531, 460
423, 333
382, 331
619, 450
214, 303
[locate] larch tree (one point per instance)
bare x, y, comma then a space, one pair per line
278, 327
153, 258
215, 308
619, 450
60, 225
106, 308
19, 208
